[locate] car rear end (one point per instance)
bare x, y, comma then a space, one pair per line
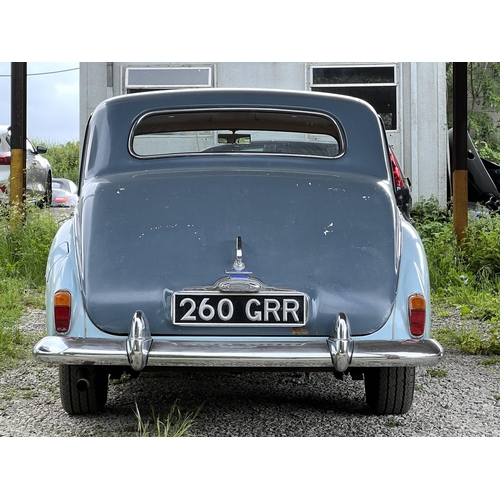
238, 258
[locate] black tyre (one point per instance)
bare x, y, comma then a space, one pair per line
389, 391
83, 389
46, 201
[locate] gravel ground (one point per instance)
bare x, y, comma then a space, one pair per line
463, 402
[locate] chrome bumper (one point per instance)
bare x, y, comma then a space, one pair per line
140, 349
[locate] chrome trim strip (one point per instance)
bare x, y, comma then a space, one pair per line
265, 353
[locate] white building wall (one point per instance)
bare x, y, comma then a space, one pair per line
420, 141
271, 75
424, 143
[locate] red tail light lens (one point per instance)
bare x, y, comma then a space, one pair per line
61, 199
416, 314
3, 188
396, 170
4, 158
62, 311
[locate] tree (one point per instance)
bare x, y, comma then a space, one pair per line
483, 102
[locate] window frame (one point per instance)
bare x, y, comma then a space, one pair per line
395, 84
144, 87
341, 141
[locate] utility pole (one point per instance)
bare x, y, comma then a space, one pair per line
18, 142
459, 150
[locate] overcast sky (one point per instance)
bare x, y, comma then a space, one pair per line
53, 105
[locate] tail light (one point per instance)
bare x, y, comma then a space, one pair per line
4, 158
416, 314
61, 199
396, 170
62, 311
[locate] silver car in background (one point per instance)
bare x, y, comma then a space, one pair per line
38, 170
64, 193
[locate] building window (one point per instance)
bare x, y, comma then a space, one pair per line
163, 78
375, 84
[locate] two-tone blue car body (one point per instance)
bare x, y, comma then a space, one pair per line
237, 229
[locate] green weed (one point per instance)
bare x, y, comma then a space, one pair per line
23, 256
437, 372
24, 249
394, 422
175, 424
466, 277
490, 361
469, 341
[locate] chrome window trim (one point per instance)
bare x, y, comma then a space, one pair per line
342, 143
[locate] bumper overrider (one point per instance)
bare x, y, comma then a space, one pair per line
140, 350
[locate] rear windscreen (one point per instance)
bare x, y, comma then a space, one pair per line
236, 131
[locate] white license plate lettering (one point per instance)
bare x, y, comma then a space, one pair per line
225, 310
192, 307
290, 306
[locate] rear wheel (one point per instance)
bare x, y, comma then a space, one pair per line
83, 389
390, 390
46, 201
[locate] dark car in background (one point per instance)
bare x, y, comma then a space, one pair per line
483, 179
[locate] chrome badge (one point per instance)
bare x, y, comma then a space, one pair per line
239, 299
238, 264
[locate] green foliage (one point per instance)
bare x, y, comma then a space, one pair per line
488, 362
478, 258
175, 424
444, 257
482, 247
466, 277
483, 86
64, 159
24, 249
23, 257
437, 372
394, 422
484, 150
11, 294
470, 341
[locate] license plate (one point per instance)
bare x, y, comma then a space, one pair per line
239, 309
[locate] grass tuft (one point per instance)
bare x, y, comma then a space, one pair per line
437, 372
469, 341
175, 424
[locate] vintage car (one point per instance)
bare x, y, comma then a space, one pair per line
231, 229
